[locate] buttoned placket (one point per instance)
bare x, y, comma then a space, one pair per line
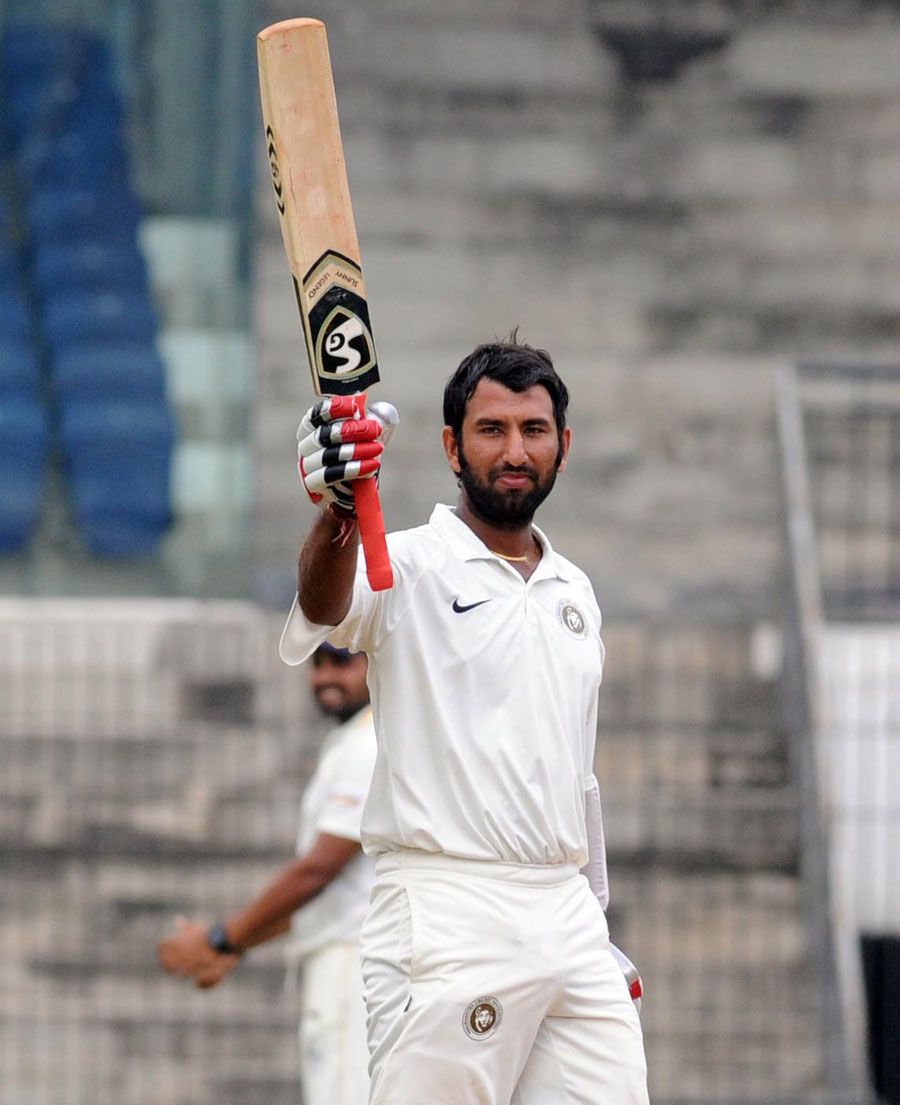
541, 571
465, 539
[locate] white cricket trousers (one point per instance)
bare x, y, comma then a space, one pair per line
493, 984
333, 1053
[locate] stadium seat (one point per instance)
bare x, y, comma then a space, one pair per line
85, 266
15, 320
117, 456
23, 452
19, 370
109, 372
64, 213
74, 318
10, 269
97, 318
34, 52
72, 157
45, 69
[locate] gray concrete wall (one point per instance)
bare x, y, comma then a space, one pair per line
668, 243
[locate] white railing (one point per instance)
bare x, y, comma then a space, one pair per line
836, 941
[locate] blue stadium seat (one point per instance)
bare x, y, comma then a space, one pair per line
90, 169
45, 70
20, 372
23, 453
72, 157
60, 99
60, 213
118, 457
109, 372
11, 275
86, 266
122, 536
32, 52
15, 319
72, 318
98, 107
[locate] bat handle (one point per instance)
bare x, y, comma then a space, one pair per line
371, 527
371, 531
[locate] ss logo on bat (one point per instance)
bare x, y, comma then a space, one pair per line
344, 348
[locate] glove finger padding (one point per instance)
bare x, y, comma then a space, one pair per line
335, 447
340, 494
346, 431
318, 474
341, 462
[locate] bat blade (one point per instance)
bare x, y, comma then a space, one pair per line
309, 176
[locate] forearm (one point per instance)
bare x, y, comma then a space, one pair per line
270, 914
326, 570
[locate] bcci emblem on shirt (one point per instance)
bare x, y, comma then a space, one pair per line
572, 619
482, 1018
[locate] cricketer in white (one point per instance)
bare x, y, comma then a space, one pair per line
324, 936
487, 968
479, 754
318, 899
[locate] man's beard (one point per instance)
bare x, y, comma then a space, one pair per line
340, 713
511, 509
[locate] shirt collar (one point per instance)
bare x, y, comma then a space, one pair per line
468, 545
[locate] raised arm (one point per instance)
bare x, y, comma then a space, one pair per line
326, 569
335, 447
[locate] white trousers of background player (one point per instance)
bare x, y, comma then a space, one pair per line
493, 984
333, 1053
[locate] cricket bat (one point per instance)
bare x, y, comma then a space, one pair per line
306, 158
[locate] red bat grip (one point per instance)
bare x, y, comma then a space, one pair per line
371, 531
371, 525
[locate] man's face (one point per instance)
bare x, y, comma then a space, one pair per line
338, 683
508, 453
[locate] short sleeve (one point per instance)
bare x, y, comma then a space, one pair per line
301, 637
372, 614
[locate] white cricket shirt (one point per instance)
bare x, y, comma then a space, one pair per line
333, 803
484, 688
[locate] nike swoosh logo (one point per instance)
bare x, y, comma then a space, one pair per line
457, 609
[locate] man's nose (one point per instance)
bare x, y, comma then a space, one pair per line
515, 449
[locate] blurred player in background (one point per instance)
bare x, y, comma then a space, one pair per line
320, 898
487, 967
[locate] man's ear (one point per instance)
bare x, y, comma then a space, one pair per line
451, 449
566, 445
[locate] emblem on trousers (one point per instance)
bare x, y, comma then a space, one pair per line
482, 1018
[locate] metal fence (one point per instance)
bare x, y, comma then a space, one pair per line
839, 427
153, 755
152, 758
851, 421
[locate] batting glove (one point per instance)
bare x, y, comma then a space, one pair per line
338, 444
635, 985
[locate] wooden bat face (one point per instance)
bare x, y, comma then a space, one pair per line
313, 198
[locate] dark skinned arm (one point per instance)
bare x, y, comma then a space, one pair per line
326, 570
187, 951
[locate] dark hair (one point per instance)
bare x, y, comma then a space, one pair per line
513, 364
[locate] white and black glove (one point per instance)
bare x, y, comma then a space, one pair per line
635, 985
339, 441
